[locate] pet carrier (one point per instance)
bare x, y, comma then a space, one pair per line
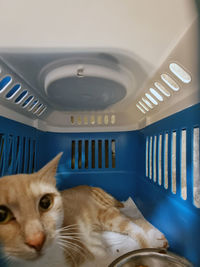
114, 85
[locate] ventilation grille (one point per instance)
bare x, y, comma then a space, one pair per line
93, 120
14, 91
93, 154
172, 161
157, 94
17, 154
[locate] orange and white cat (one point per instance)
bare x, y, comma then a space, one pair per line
40, 226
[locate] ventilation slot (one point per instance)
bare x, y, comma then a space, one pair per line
180, 73
160, 161
183, 165
142, 110
151, 99
170, 82
162, 89
196, 169
19, 99
174, 162
27, 101
147, 156
156, 94
17, 95
17, 154
166, 162
150, 157
155, 159
5, 82
147, 102
93, 154
93, 120
14, 90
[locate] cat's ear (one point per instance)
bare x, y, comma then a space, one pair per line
48, 172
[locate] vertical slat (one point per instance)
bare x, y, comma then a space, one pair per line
93, 154
106, 154
10, 154
170, 161
155, 159
1, 152
73, 154
163, 161
160, 161
147, 156
18, 161
29, 153
178, 162
90, 154
174, 184
31, 150
113, 153
166, 161
83, 153
14, 155
86, 154
100, 154
189, 165
76, 154
150, 157
96, 154
5, 155
26, 155
183, 165
110, 153
21, 154
79, 154
103, 154
196, 167
34, 155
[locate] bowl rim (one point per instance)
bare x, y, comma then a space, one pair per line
153, 251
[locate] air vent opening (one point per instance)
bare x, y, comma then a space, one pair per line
93, 154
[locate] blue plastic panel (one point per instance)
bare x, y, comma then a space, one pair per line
179, 219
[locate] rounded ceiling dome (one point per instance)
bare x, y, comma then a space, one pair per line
85, 87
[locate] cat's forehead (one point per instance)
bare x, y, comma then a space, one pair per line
23, 186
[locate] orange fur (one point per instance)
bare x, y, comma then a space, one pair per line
81, 213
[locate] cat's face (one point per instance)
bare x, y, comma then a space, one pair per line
30, 212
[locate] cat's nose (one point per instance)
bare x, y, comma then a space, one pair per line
36, 241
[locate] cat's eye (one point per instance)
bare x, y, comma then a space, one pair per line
46, 202
5, 215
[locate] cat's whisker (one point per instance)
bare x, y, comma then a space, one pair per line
71, 257
67, 242
68, 233
75, 247
67, 251
70, 238
69, 227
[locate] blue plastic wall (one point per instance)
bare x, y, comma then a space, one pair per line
179, 219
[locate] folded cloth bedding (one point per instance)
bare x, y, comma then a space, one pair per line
117, 244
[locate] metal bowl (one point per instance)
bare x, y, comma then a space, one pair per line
150, 258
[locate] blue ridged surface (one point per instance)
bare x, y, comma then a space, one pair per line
179, 219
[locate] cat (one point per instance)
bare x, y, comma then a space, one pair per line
40, 226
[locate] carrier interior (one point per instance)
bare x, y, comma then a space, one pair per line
114, 86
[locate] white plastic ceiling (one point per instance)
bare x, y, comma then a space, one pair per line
95, 58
